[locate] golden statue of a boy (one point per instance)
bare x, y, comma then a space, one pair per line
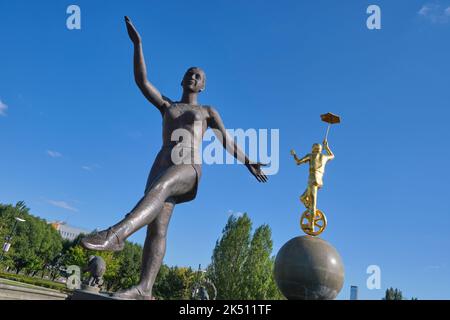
317, 162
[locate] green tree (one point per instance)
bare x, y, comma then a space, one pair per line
122, 268
7, 215
34, 243
160, 288
226, 270
393, 294
241, 266
129, 264
174, 283
75, 255
38, 247
258, 280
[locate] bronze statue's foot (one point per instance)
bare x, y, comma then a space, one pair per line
106, 240
134, 293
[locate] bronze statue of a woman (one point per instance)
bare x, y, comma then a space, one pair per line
170, 182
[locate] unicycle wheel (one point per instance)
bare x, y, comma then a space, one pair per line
318, 226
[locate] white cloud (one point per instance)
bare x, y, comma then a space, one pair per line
90, 167
425, 10
433, 267
62, 205
54, 154
447, 11
435, 13
3, 108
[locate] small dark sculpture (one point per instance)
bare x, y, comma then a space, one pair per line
96, 268
169, 182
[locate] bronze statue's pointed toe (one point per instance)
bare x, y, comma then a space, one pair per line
106, 240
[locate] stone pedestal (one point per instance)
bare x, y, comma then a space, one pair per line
309, 268
82, 294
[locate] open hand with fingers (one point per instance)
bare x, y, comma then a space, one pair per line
132, 32
255, 169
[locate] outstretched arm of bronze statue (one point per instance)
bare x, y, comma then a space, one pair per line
328, 150
140, 70
216, 123
298, 160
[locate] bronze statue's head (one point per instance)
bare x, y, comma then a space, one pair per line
194, 80
316, 148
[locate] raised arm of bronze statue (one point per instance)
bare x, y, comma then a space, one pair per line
215, 122
140, 70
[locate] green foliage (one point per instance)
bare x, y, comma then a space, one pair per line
127, 270
227, 265
258, 282
38, 247
122, 268
174, 283
34, 243
393, 294
241, 266
75, 255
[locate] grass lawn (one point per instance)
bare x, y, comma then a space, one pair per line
30, 282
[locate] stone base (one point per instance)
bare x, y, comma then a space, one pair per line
90, 289
309, 268
89, 295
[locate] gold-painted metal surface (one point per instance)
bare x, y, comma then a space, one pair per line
319, 223
315, 219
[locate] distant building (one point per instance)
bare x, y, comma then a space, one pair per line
68, 232
353, 292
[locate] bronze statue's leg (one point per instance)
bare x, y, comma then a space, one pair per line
155, 247
177, 180
152, 255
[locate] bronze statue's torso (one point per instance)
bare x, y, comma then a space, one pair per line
181, 119
191, 118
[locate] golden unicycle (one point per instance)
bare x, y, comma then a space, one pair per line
319, 223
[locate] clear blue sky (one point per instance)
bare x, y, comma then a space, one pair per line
78, 138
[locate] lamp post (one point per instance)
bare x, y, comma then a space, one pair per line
7, 244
